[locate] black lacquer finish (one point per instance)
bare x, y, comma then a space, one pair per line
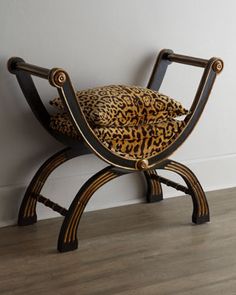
90, 143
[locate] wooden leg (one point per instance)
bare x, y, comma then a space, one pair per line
67, 240
27, 214
154, 191
200, 205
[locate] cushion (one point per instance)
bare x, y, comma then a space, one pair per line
131, 121
133, 142
120, 105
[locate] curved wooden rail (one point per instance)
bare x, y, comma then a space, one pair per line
200, 206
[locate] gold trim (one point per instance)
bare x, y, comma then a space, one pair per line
203, 207
37, 186
158, 186
190, 177
26, 207
81, 204
193, 188
197, 187
87, 197
75, 210
185, 169
33, 208
218, 66
30, 207
142, 164
57, 77
153, 183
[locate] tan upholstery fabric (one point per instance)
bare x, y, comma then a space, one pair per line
131, 121
119, 105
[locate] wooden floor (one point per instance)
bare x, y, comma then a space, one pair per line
138, 249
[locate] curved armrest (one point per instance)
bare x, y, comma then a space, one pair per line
212, 67
60, 79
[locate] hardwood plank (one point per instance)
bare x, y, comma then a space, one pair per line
136, 249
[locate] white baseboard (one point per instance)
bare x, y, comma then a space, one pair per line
213, 173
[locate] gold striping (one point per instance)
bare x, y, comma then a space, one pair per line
31, 201
218, 66
57, 77
26, 207
37, 186
197, 187
142, 164
31, 204
47, 170
194, 183
77, 212
71, 218
158, 186
150, 180
87, 197
72, 231
200, 193
201, 204
51, 166
33, 207
153, 182
193, 188
186, 170
153, 187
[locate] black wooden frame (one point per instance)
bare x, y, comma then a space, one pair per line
90, 143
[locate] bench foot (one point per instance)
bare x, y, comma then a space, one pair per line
66, 247
67, 240
154, 189
201, 219
27, 220
200, 205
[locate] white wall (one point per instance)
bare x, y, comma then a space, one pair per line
105, 42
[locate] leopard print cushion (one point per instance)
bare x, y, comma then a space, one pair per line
133, 142
119, 105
